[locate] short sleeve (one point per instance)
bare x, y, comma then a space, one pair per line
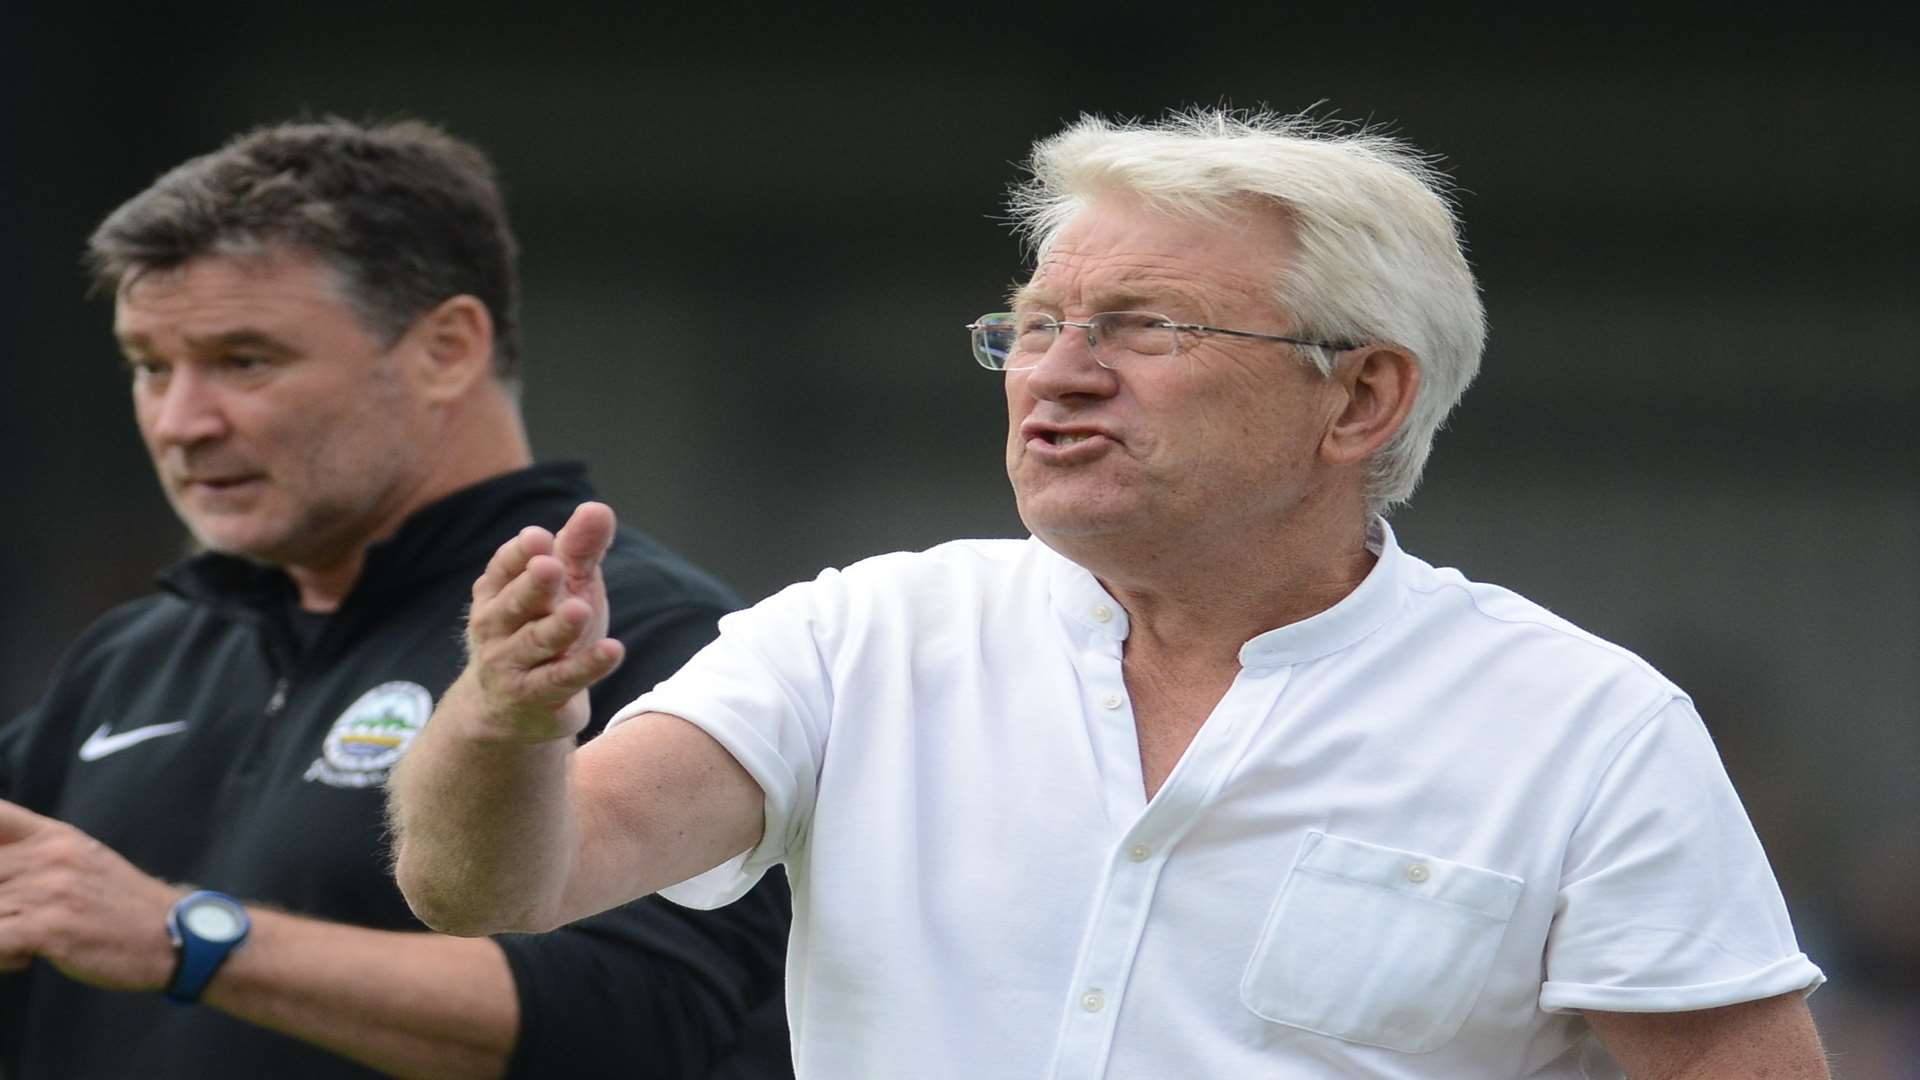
763, 690
1667, 903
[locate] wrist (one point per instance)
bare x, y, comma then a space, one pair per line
205, 927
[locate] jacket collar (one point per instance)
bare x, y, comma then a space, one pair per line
454, 534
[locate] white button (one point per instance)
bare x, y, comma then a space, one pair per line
1102, 613
1093, 1001
1111, 701
1139, 852
1418, 873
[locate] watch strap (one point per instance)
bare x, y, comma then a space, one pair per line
197, 959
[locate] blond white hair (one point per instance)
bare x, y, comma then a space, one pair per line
1379, 253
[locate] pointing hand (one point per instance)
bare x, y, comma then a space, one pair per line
537, 632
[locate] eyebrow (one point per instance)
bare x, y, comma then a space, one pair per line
242, 338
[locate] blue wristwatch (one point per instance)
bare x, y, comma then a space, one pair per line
205, 926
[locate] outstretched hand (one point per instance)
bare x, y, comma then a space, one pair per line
73, 902
537, 631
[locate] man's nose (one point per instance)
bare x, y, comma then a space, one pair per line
1069, 368
186, 409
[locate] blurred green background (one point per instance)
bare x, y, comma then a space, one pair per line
751, 241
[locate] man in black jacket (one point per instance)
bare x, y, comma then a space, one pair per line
319, 324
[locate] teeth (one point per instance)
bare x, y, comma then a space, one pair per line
1069, 440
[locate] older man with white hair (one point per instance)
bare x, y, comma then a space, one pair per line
1208, 777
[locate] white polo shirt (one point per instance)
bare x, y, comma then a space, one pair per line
1419, 828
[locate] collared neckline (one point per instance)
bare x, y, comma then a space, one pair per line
1357, 615
441, 537
1079, 598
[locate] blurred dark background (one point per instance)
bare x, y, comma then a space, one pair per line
751, 241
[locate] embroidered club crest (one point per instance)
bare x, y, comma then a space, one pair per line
371, 734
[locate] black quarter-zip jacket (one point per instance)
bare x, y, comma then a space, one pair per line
213, 735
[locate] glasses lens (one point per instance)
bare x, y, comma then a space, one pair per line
1034, 335
993, 340
1118, 335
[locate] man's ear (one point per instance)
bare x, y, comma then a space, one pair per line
450, 348
1380, 383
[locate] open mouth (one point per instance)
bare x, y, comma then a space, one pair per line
219, 483
1075, 442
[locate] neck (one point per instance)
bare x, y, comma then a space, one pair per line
323, 587
1196, 603
482, 438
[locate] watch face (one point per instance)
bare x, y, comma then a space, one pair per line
212, 921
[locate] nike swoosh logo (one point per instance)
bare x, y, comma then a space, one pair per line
101, 743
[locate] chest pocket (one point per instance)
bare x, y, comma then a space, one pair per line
1378, 946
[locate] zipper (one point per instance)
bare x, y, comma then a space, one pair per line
278, 700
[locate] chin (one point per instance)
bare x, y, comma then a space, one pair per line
1075, 520
238, 543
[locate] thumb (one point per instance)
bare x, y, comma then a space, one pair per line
584, 539
17, 822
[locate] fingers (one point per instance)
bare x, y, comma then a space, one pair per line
536, 633
71, 901
530, 575
510, 561
553, 683
579, 546
546, 639
534, 593
17, 822
544, 644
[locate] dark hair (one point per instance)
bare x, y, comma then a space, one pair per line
408, 215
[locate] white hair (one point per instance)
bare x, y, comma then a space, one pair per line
1380, 258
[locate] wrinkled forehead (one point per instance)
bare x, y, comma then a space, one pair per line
239, 255
1119, 253
215, 292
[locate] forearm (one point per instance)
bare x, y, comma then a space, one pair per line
408, 1004
484, 835
1772, 1037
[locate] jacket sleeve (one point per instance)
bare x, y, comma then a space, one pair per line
13, 986
37, 744
12, 745
651, 989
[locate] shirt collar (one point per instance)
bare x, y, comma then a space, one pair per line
1358, 614
1078, 597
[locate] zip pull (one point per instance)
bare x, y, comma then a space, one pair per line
279, 699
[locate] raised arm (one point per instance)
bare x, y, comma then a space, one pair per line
497, 826
1772, 1037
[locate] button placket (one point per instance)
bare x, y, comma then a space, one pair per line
1103, 708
